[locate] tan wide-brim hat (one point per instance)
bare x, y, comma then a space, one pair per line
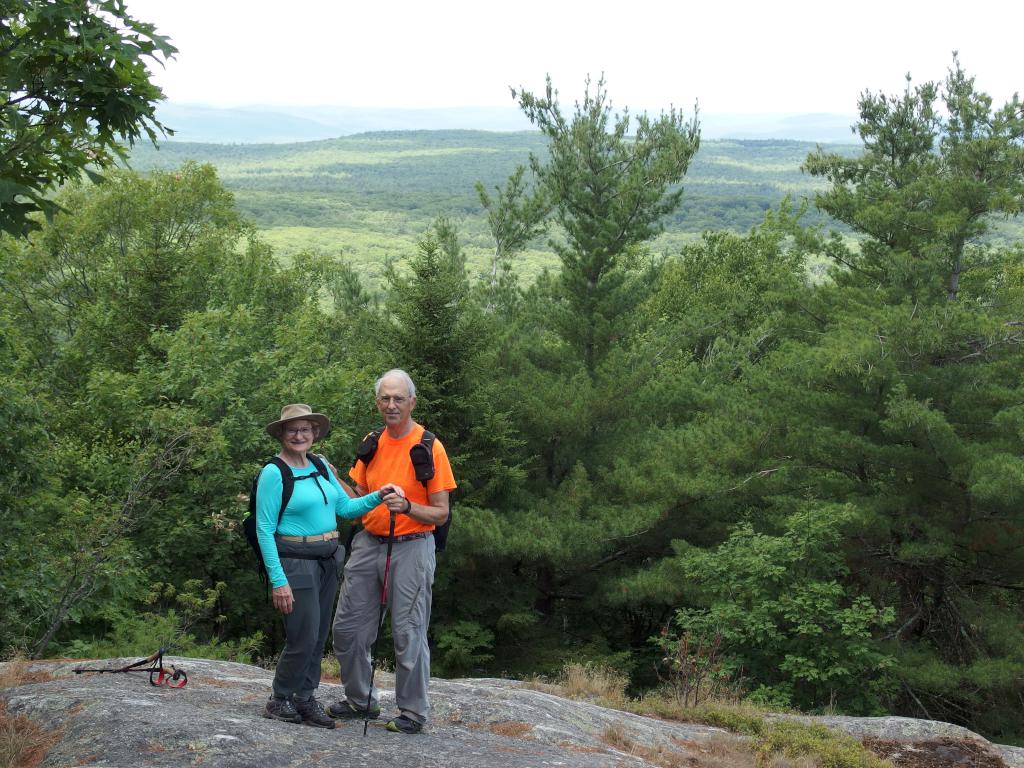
299, 411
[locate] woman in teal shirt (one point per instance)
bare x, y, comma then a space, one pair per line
300, 549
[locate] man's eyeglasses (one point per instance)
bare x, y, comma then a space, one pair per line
293, 431
396, 399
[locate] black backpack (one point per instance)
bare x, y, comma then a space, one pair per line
422, 457
288, 481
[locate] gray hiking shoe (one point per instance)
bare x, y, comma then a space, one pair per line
342, 710
281, 709
312, 713
403, 724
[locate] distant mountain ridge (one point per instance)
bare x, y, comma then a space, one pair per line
280, 124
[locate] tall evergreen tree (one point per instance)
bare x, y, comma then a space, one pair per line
890, 390
611, 190
561, 359
442, 338
514, 217
929, 182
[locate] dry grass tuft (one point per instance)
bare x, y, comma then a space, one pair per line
588, 682
594, 682
511, 728
726, 753
17, 672
783, 744
738, 717
536, 683
715, 753
615, 736
23, 743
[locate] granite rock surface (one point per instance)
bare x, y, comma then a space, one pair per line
120, 720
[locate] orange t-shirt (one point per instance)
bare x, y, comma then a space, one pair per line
391, 464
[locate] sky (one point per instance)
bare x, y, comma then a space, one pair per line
732, 57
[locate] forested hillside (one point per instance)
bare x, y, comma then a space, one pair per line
684, 459
371, 197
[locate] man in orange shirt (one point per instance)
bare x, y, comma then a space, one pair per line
411, 572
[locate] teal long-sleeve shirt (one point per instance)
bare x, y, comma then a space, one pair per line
313, 508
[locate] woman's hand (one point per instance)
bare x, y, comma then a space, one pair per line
283, 600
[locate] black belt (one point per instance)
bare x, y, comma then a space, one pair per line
404, 537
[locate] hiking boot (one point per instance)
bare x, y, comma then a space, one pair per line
403, 724
343, 710
312, 713
281, 709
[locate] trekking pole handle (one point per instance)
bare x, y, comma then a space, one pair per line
151, 659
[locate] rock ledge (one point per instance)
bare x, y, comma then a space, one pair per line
119, 721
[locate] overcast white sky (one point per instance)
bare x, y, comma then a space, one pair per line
734, 56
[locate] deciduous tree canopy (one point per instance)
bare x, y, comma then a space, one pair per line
74, 85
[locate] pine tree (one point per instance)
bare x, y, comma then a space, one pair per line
610, 190
929, 182
892, 388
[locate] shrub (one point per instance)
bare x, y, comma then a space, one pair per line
793, 739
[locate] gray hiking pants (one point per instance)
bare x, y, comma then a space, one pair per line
314, 584
410, 584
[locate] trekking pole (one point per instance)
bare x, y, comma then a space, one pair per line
158, 675
380, 620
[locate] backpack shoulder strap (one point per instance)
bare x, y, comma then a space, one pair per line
287, 483
368, 447
321, 465
422, 457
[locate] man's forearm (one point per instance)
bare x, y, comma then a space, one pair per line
426, 513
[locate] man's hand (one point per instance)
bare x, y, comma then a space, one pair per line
390, 490
283, 600
397, 503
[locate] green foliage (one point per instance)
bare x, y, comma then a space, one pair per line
128, 487
463, 646
141, 632
743, 717
828, 749
136, 255
693, 671
442, 338
74, 86
738, 719
514, 218
609, 193
26, 485
784, 616
822, 469
928, 181
919, 343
